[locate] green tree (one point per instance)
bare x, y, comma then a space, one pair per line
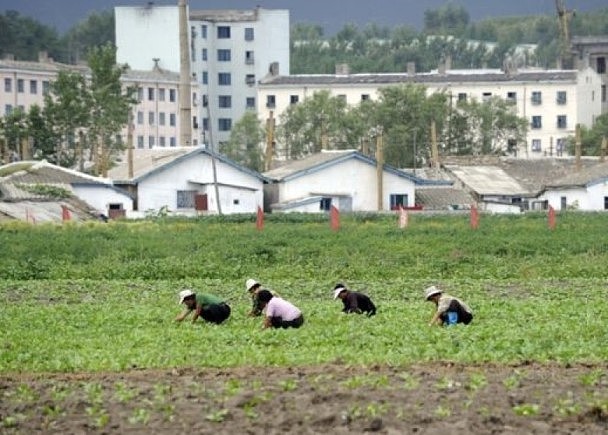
110, 104
24, 38
244, 145
13, 128
591, 138
95, 31
40, 131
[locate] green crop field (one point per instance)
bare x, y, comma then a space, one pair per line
102, 297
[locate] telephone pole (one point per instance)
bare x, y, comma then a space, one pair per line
185, 91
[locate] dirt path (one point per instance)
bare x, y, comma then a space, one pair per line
421, 399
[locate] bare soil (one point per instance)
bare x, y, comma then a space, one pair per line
337, 399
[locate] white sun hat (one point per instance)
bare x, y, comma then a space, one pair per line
337, 291
184, 294
431, 291
250, 283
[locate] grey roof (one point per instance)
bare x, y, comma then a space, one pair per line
583, 178
324, 159
442, 198
488, 180
15, 174
150, 161
47, 66
452, 76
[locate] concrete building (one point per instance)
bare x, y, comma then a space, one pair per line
553, 101
230, 51
592, 51
25, 83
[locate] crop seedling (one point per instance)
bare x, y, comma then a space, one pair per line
476, 382
591, 379
443, 411
567, 407
289, 384
446, 383
217, 416
527, 409
123, 393
409, 382
140, 416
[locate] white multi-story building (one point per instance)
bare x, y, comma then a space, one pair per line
230, 50
155, 124
553, 101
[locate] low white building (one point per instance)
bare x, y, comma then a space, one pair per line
181, 181
553, 101
584, 190
346, 179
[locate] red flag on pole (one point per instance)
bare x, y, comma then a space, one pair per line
403, 217
474, 217
334, 218
65, 213
551, 218
259, 221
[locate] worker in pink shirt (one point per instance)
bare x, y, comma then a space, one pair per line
278, 312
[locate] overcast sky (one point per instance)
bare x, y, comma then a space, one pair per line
331, 14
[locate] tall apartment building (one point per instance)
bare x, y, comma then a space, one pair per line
553, 101
230, 51
592, 51
155, 123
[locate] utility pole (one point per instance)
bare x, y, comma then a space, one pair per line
434, 147
577, 146
380, 165
269, 141
130, 145
185, 91
603, 149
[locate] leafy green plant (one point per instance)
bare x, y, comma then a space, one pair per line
526, 409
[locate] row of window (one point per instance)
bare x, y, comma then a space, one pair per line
162, 141
161, 118
225, 79
223, 32
560, 146
160, 93
536, 97
224, 55
8, 86
537, 122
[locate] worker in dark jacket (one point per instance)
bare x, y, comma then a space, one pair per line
354, 302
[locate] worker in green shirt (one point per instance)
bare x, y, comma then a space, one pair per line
210, 308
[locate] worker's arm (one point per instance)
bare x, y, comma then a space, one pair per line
197, 312
267, 322
181, 316
436, 319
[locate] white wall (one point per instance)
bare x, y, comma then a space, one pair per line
554, 198
99, 197
353, 178
160, 189
144, 33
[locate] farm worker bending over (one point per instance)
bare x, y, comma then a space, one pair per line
450, 310
210, 308
354, 302
279, 312
254, 288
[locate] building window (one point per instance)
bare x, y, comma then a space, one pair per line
462, 97
8, 109
512, 97
250, 79
140, 94
205, 100
20, 86
161, 141
249, 57
151, 118
161, 118
206, 124
486, 96
562, 121
8, 85
172, 141
536, 145
293, 99
250, 103
223, 55
45, 87
603, 93
248, 33
172, 119
150, 141
560, 98
364, 97
205, 78
140, 117
195, 122
560, 146
398, 200
204, 31
161, 94
601, 65
150, 94
204, 54
172, 95
563, 202
140, 141
537, 122
325, 204
271, 101
223, 32
536, 98
605, 202
185, 198
224, 124
33, 87
224, 79
225, 101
